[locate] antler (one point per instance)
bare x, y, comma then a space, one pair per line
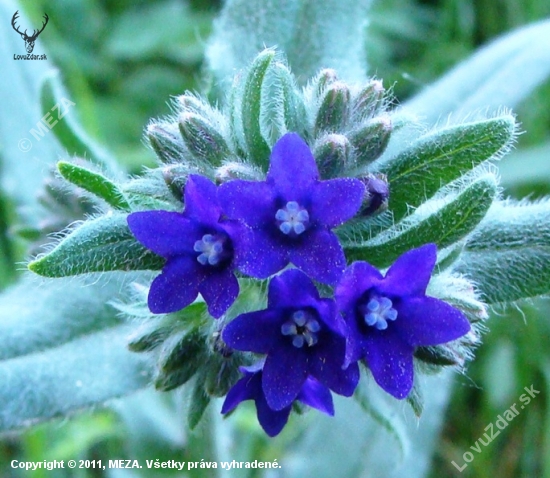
13, 20
36, 33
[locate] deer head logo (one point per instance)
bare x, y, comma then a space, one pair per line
29, 40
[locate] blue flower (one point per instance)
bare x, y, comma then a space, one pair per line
301, 334
272, 421
291, 214
389, 316
198, 247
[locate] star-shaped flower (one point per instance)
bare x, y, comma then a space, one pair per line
291, 214
389, 316
249, 387
198, 247
302, 336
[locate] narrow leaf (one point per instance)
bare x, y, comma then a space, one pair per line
444, 227
94, 183
99, 245
493, 77
436, 159
508, 256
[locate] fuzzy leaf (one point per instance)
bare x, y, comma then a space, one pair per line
493, 77
99, 245
56, 103
449, 224
94, 183
62, 348
438, 158
333, 38
508, 256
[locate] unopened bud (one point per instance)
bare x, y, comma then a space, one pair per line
371, 139
175, 176
192, 104
325, 78
236, 170
369, 101
201, 138
333, 113
331, 153
377, 194
166, 143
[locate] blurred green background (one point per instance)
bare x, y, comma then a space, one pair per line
121, 61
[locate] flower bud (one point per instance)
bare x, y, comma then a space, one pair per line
442, 355
369, 101
324, 79
333, 113
175, 177
331, 153
236, 170
166, 143
201, 138
371, 139
193, 104
377, 194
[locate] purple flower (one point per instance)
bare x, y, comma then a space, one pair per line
301, 334
291, 214
389, 316
249, 387
198, 248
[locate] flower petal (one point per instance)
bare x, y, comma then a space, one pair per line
285, 371
429, 321
247, 388
165, 233
335, 201
321, 257
410, 273
201, 202
316, 395
390, 360
253, 332
355, 281
258, 255
292, 288
327, 367
250, 201
272, 421
292, 170
177, 286
219, 290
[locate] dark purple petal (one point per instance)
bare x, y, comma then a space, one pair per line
219, 290
250, 201
292, 288
355, 281
410, 273
390, 360
285, 371
254, 332
272, 421
177, 286
292, 170
316, 395
201, 203
327, 367
429, 321
320, 256
258, 255
165, 233
247, 388
335, 201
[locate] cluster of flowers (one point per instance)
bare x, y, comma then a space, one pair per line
310, 345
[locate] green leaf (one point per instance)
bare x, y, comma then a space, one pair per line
251, 109
457, 218
438, 158
62, 348
99, 245
333, 38
94, 183
199, 401
503, 73
58, 110
508, 256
